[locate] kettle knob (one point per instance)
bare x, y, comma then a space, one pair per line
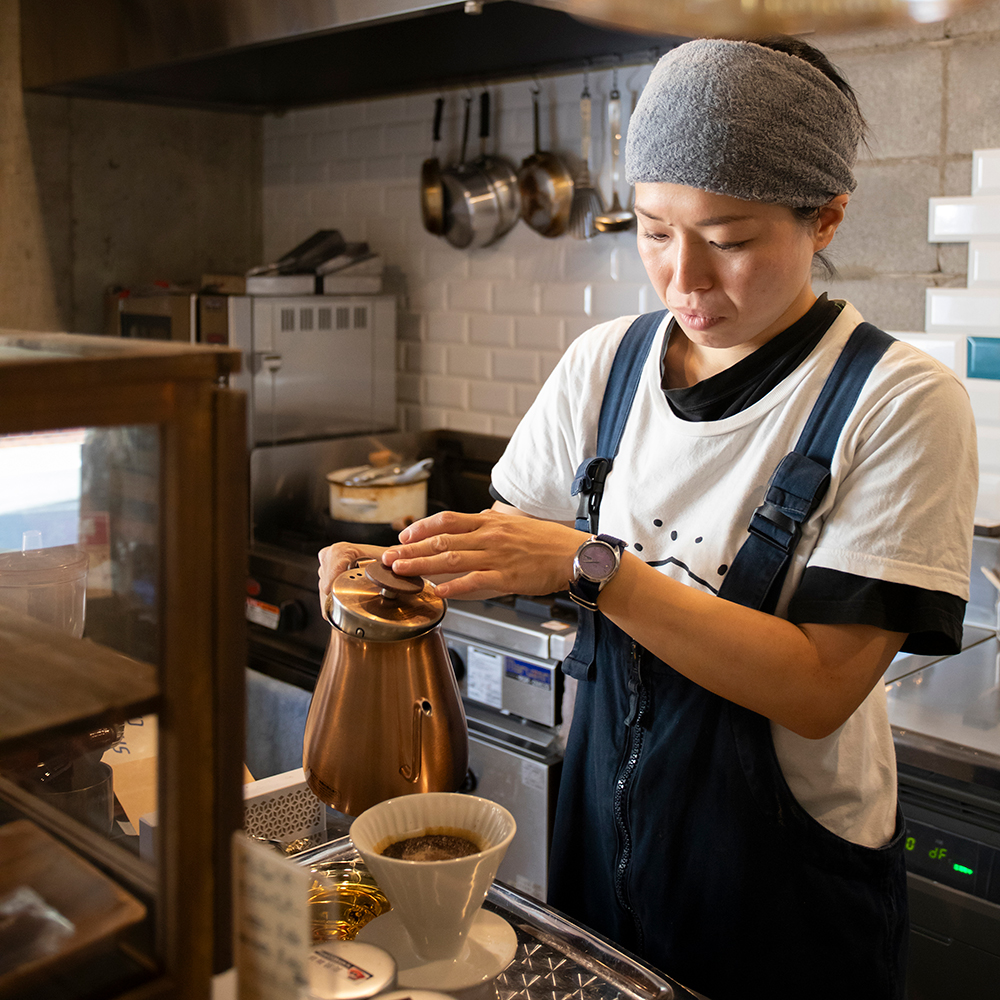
392, 586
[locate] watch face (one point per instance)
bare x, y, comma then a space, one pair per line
597, 561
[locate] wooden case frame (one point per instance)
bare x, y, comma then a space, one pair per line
54, 381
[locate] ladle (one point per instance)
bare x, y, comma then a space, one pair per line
616, 219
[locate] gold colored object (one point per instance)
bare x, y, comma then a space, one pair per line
343, 897
755, 18
386, 717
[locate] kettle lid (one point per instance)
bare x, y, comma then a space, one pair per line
373, 602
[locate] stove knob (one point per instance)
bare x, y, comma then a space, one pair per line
292, 617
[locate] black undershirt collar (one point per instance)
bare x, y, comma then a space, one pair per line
753, 377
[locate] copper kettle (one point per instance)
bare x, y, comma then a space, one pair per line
386, 717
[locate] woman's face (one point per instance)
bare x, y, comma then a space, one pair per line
733, 273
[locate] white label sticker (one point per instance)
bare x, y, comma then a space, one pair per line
553, 626
263, 614
533, 775
484, 678
272, 940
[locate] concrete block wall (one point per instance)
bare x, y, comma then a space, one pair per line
99, 193
481, 329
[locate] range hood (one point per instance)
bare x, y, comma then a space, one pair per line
273, 55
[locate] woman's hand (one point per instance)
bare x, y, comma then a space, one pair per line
334, 559
491, 552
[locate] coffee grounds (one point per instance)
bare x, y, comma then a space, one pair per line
431, 847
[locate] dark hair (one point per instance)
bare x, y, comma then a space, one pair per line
796, 47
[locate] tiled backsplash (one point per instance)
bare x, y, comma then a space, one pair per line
481, 329
973, 313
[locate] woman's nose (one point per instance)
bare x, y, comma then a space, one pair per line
692, 271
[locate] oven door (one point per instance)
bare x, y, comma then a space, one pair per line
517, 764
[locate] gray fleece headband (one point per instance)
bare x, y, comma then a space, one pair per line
739, 119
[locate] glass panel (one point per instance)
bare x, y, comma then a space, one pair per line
79, 585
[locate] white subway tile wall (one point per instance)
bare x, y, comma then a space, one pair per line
984, 265
479, 329
985, 171
972, 314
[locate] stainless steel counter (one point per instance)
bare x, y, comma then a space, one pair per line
945, 713
556, 959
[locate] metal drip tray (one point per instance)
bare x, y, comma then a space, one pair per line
556, 959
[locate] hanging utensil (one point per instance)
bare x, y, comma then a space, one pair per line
431, 186
502, 174
616, 219
587, 201
472, 209
546, 187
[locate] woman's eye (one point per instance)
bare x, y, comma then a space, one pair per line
730, 246
656, 237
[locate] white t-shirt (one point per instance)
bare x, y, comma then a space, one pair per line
899, 508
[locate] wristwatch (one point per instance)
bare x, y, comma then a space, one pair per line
594, 566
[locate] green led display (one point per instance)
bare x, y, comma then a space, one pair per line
963, 869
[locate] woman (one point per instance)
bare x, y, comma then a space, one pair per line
728, 802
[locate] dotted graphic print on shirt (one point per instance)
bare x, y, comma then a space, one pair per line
673, 561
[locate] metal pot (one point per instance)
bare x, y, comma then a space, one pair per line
546, 188
389, 495
386, 717
501, 173
431, 186
472, 209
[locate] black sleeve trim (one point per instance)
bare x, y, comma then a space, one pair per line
496, 496
932, 618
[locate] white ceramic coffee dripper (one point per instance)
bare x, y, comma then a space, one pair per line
436, 901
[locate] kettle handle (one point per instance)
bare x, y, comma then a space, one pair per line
411, 771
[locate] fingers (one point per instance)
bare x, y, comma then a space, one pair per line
439, 555
446, 522
335, 559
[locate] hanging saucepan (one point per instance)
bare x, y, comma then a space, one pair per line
431, 186
546, 188
501, 173
472, 210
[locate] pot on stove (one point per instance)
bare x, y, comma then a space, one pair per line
386, 717
392, 496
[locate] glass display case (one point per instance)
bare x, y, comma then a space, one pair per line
123, 527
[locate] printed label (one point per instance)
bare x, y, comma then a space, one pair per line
272, 937
533, 775
262, 614
484, 677
529, 673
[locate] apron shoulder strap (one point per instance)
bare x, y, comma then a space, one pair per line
801, 479
623, 380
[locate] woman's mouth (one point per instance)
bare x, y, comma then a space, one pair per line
695, 320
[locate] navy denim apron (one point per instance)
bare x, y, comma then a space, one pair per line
676, 834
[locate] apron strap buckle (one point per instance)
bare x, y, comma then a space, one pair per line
770, 523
